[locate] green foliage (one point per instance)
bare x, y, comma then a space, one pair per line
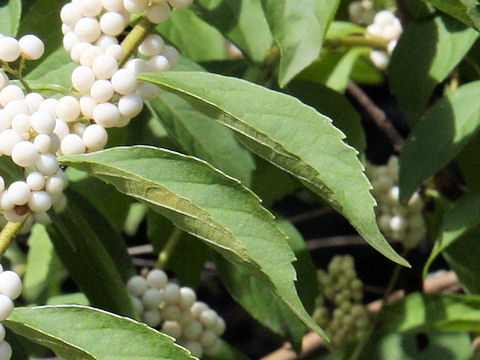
10, 13
464, 10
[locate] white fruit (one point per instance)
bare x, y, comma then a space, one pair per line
47, 164
90, 8
83, 79
152, 298
159, 13
137, 285
34, 101
31, 47
159, 63
61, 129
157, 279
3, 80
68, 109
87, 104
19, 193
135, 6
172, 328
72, 144
10, 93
88, 29
148, 91
105, 41
101, 91
49, 105
70, 14
5, 351
124, 82
137, 66
24, 154
95, 137
21, 123
116, 51
171, 293
187, 298
208, 318
113, 5
43, 122
9, 49
107, 115
69, 41
55, 185
152, 45
171, 312
152, 318
112, 23
2, 184
195, 348
2, 333
89, 55
39, 201
36, 181
10, 284
104, 66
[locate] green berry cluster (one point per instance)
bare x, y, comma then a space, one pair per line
339, 309
402, 223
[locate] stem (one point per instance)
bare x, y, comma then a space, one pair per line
391, 285
167, 251
135, 38
350, 41
8, 234
17, 73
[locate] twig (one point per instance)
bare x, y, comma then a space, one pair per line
378, 115
312, 341
170, 246
311, 215
334, 241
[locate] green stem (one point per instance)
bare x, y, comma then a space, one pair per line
390, 287
167, 251
350, 41
18, 74
133, 40
8, 234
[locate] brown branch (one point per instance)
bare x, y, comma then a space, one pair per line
312, 341
378, 115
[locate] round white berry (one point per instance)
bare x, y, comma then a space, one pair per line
40, 201
42, 218
55, 185
135, 6
113, 5
47, 164
89, 55
5, 351
116, 51
172, 293
78, 128
208, 338
2, 184
152, 318
157, 279
152, 298
384, 18
104, 66
208, 318
2, 333
5, 202
3, 80
172, 55
90, 8
138, 305
220, 326
87, 104
70, 14
16, 107
31, 47
137, 285
198, 308
159, 63
43, 122
102, 91
10, 93
49, 105
158, 13
106, 114
152, 45
10, 284
137, 66
187, 298
61, 128
9, 49
36, 181
8, 139
19, 193
24, 154
68, 109
5, 120
112, 23
124, 82
105, 41
88, 29
172, 328
83, 78
380, 59
12, 216
95, 137
69, 41
171, 312
148, 91
34, 101
72, 144
21, 123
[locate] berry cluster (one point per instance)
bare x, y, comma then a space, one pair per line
176, 311
403, 223
339, 309
10, 289
386, 26
30, 133
361, 11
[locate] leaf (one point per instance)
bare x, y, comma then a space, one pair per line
445, 346
9, 171
193, 37
83, 333
334, 105
70, 299
94, 255
290, 135
241, 21
419, 9
249, 292
469, 163
43, 20
432, 312
299, 29
203, 137
206, 203
464, 216
444, 44
10, 13
43, 266
446, 128
55, 68
462, 257
464, 10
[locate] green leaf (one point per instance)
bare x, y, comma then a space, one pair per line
432, 312
201, 136
193, 37
464, 10
94, 255
206, 203
299, 29
419, 9
69, 299
83, 333
445, 346
446, 128
9, 171
249, 292
55, 68
334, 105
462, 257
290, 135
43, 20
10, 13
43, 266
444, 44
469, 163
242, 21
463, 217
